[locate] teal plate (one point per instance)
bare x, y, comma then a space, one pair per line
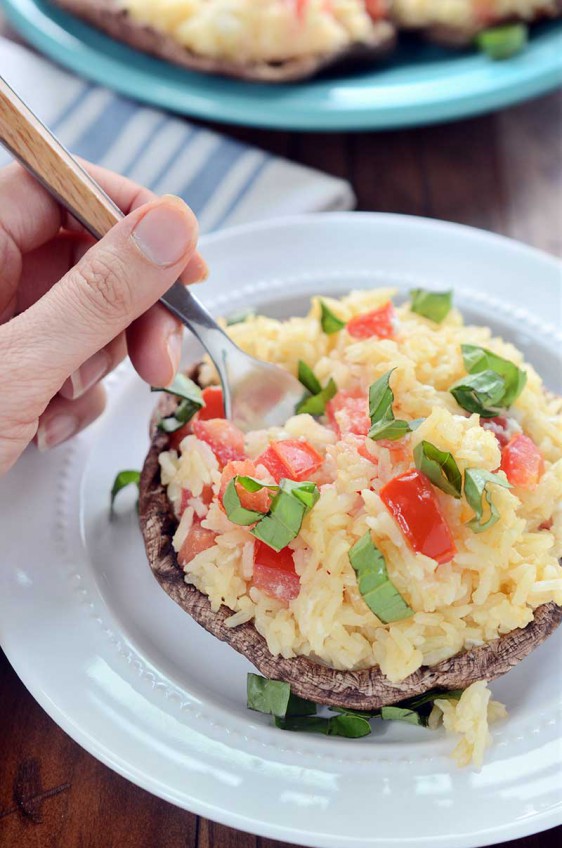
419, 84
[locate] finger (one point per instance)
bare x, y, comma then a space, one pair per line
116, 281
21, 233
154, 342
64, 418
95, 368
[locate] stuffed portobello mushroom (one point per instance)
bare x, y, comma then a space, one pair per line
399, 535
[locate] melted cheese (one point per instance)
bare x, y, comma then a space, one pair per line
258, 30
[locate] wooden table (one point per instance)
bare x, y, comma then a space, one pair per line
500, 172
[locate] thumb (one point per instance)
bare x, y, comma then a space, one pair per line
117, 280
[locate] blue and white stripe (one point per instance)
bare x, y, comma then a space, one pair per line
224, 182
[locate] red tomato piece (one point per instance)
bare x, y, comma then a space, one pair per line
225, 440
499, 426
274, 573
177, 438
197, 540
522, 462
255, 501
348, 412
290, 458
206, 496
377, 9
413, 504
378, 323
272, 461
214, 404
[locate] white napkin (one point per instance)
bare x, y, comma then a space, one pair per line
225, 182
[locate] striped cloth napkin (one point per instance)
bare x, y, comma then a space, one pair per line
224, 182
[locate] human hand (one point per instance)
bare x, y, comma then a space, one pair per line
71, 309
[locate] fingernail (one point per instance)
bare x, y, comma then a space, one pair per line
56, 430
196, 270
165, 233
174, 347
87, 375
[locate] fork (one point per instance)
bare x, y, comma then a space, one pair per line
256, 394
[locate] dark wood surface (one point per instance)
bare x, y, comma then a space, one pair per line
501, 172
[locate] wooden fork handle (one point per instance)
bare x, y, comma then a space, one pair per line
32, 144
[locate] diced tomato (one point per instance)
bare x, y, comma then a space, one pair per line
197, 540
546, 525
274, 573
225, 440
522, 462
290, 458
206, 496
377, 9
348, 412
214, 404
379, 323
485, 11
255, 501
177, 438
413, 504
499, 426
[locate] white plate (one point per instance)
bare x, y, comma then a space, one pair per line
131, 678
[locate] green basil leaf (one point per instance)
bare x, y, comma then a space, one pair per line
234, 509
429, 697
348, 726
368, 714
481, 393
122, 480
240, 316
253, 485
308, 378
191, 402
440, 467
433, 305
383, 423
274, 697
410, 716
267, 696
479, 359
289, 506
381, 398
502, 42
329, 322
391, 430
378, 591
476, 490
316, 404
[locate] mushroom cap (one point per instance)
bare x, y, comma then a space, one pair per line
365, 689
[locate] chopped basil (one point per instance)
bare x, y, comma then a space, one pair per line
346, 725
368, 714
378, 591
274, 697
316, 404
288, 508
481, 393
240, 316
122, 480
493, 383
313, 403
502, 42
191, 402
383, 423
410, 716
234, 509
308, 378
476, 489
440, 467
433, 305
330, 323
478, 360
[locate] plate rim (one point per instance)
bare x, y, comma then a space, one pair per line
511, 84
493, 836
